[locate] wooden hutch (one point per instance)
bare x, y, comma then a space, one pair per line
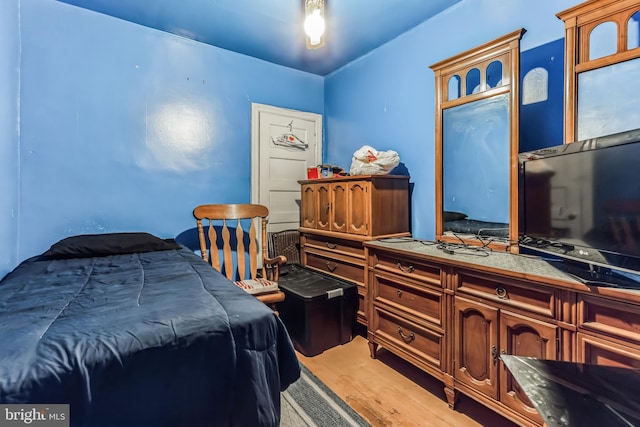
339, 214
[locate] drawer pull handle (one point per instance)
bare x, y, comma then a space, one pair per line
330, 268
405, 269
331, 245
399, 293
494, 354
406, 338
502, 293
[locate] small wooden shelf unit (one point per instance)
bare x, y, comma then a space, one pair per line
339, 214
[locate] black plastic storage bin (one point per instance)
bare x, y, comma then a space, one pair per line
318, 309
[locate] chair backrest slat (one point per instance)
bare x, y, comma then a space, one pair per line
253, 249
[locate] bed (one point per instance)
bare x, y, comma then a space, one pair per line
477, 228
459, 223
132, 330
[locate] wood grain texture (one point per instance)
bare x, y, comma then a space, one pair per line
388, 391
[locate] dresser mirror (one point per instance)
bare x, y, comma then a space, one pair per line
477, 111
602, 65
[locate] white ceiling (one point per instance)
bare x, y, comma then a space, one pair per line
272, 29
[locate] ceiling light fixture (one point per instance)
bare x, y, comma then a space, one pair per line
314, 24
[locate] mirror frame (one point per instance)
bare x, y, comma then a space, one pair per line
579, 21
506, 50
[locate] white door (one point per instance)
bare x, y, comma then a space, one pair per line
284, 143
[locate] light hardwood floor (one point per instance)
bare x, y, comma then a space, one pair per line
388, 391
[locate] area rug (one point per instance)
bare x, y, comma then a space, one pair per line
309, 402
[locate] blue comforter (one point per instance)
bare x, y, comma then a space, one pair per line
146, 339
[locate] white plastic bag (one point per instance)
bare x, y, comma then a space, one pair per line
369, 161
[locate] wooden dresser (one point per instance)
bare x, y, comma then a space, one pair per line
454, 314
339, 214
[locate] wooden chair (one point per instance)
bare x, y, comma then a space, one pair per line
221, 218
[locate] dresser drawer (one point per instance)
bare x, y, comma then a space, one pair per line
412, 298
597, 351
409, 267
615, 319
336, 266
419, 342
531, 298
349, 247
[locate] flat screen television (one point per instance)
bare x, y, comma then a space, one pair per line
580, 208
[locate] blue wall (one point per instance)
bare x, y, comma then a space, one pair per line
386, 99
541, 123
127, 128
9, 133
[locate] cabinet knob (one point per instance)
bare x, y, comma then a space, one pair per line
404, 269
502, 293
406, 338
399, 292
331, 245
330, 267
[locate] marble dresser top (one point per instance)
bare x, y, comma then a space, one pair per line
517, 265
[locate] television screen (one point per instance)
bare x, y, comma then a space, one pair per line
581, 202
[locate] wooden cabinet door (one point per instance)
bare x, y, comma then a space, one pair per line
324, 206
308, 206
523, 336
476, 346
359, 206
339, 207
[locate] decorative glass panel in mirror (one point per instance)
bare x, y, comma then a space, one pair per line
494, 74
603, 40
605, 105
473, 81
475, 168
